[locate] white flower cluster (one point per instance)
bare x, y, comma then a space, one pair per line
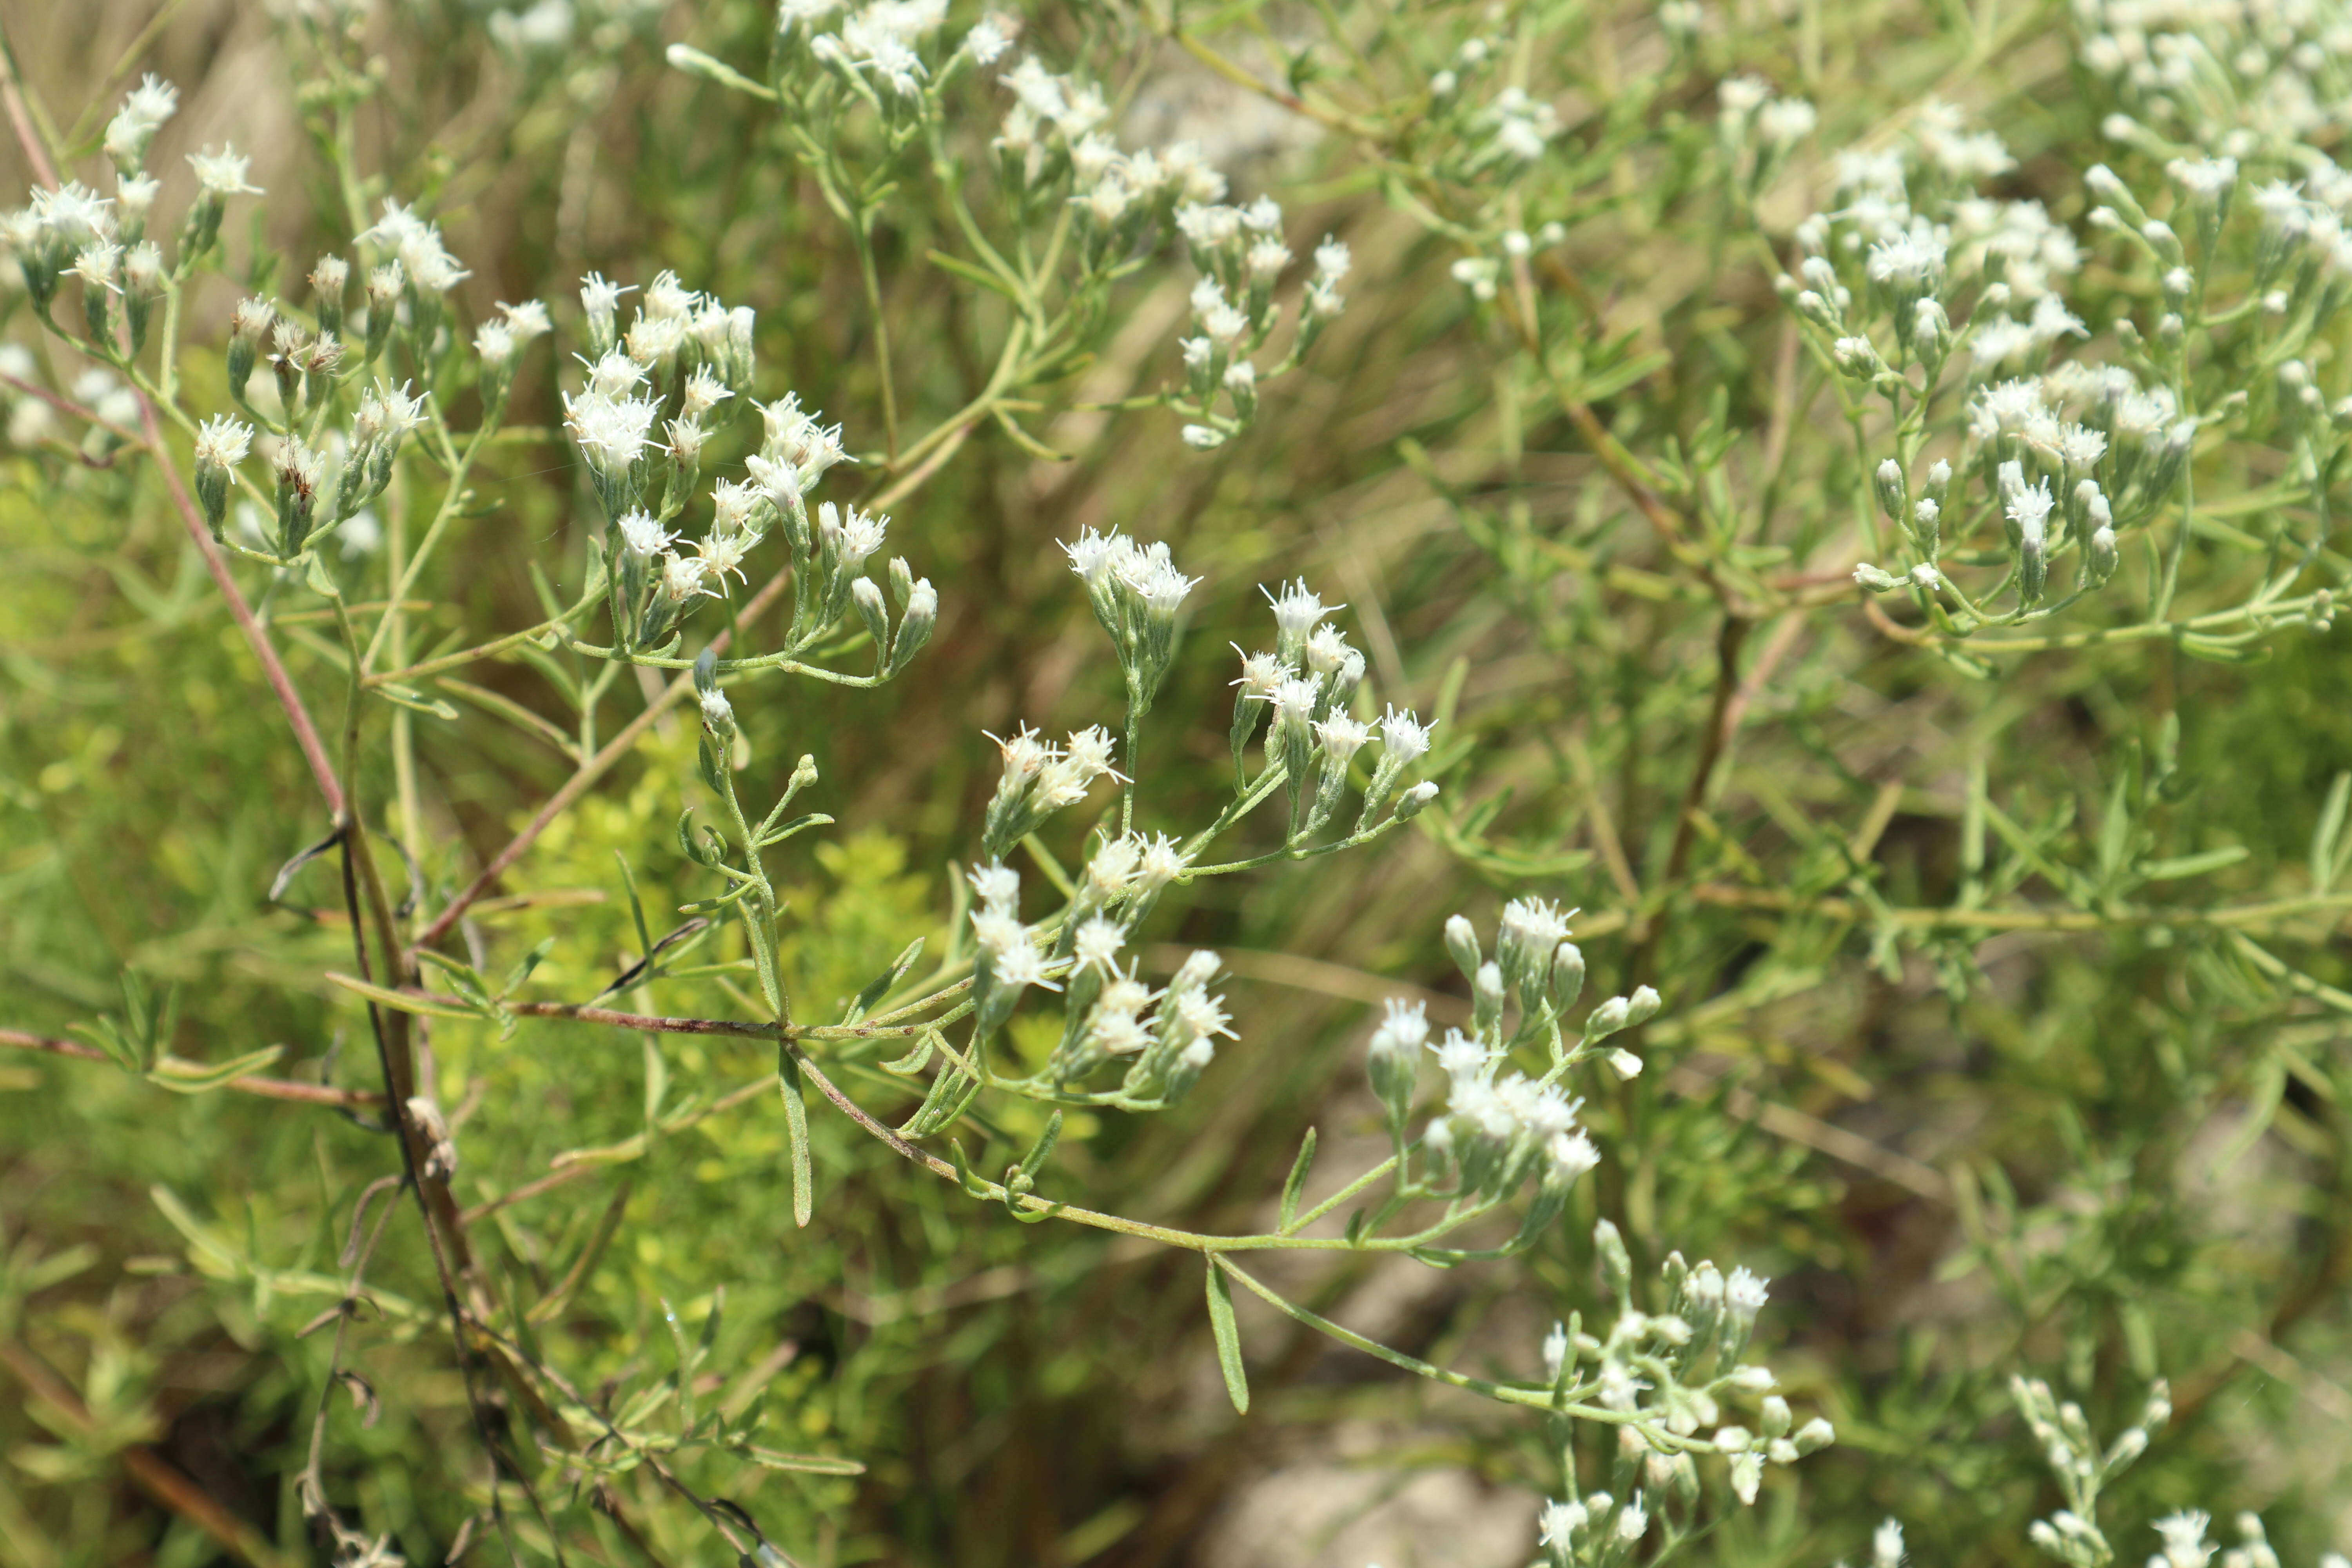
1304, 687
1241, 255
1136, 591
1167, 1038
1039, 779
1756, 130
425, 265
2236, 79
684, 355
134, 127
1669, 1372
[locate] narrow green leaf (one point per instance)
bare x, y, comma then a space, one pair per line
2327, 856
966, 270
409, 697
1229, 1337
2181, 866
788, 1080
1043, 1149
181, 1076
807, 1463
1296, 1183
402, 1001
883, 982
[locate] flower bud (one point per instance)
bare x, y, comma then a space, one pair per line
252, 318
868, 599
922, 613
328, 281
1608, 1018
1462, 943
1486, 998
1411, 803
1892, 490
1616, 1261
1567, 976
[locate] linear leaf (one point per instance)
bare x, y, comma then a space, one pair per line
1229, 1337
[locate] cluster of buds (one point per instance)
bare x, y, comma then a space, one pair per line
1049, 137
413, 272
1241, 255
876, 51
1669, 1372
1041, 778
2081, 1467
1305, 685
1137, 592
1756, 131
1498, 1127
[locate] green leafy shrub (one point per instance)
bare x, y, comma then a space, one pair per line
584, 1047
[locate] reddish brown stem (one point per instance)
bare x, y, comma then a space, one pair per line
267, 1088
306, 735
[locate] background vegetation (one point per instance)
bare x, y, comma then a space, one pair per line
2089, 1137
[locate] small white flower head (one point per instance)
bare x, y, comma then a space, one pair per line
1886, 1546
1113, 866
1296, 610
854, 535
2205, 179
223, 442
494, 341
1154, 580
611, 431
1633, 1519
722, 552
1405, 737
1555, 1351
1559, 1522
221, 174
1626, 1064
1785, 121
1909, 263
387, 412
1161, 863
989, 38
1203, 438
1241, 376
1572, 1155
614, 374
97, 264
666, 298
1021, 964
1261, 673
1341, 737
1460, 1057
1332, 260
1403, 1028
1266, 259
135, 196
1024, 755
1093, 555
600, 297
2029, 507
1742, 96
716, 711
997, 886
2184, 1545
1097, 944
1745, 1293
642, 536
1294, 700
